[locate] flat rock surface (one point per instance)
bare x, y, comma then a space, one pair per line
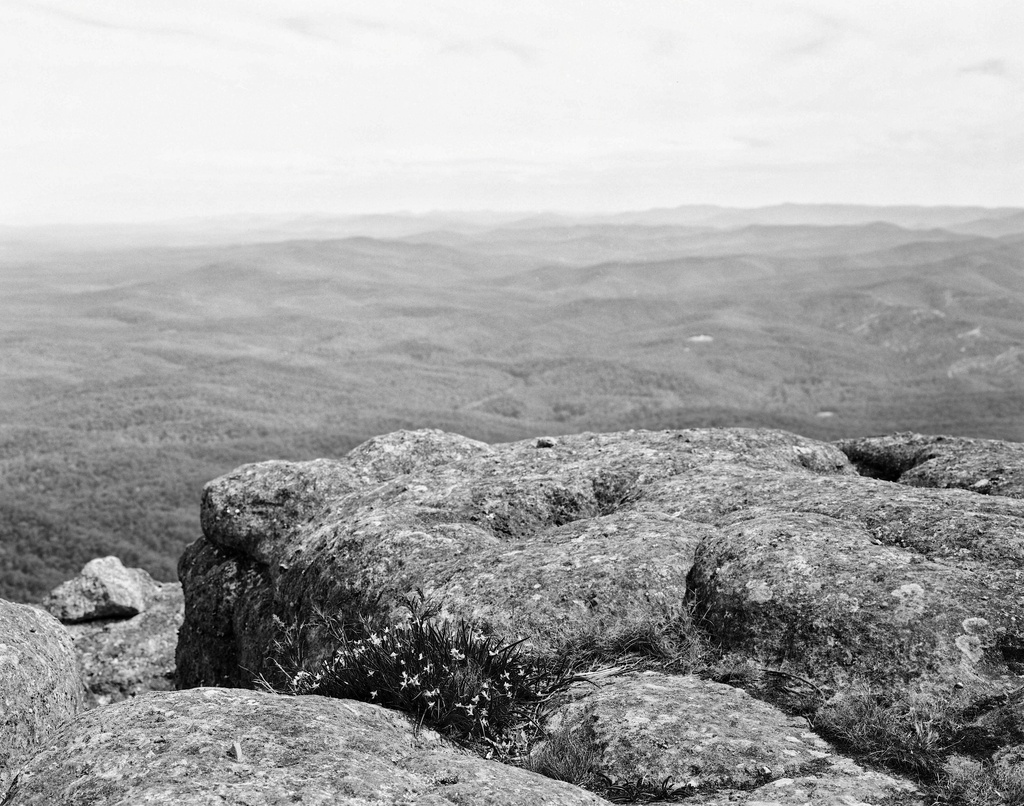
124, 657
40, 684
104, 589
229, 746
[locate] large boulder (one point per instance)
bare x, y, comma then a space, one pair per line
525, 539
845, 576
104, 589
794, 566
40, 684
213, 746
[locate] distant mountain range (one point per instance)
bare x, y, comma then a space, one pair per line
137, 363
986, 221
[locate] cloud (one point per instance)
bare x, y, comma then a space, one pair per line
417, 103
76, 18
753, 142
814, 46
482, 47
989, 67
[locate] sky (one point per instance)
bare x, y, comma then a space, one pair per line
145, 110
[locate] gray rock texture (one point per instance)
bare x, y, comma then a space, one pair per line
524, 541
40, 684
699, 738
987, 466
904, 576
848, 575
842, 783
228, 746
124, 657
104, 589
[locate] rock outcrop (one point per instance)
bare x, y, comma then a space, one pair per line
131, 649
805, 572
207, 746
791, 558
525, 541
40, 684
785, 552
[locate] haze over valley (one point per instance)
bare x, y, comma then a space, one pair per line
134, 371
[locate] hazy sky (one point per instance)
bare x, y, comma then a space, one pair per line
145, 109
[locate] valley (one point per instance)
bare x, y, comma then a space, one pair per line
135, 368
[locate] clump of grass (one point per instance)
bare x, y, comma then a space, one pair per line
645, 790
967, 782
912, 734
916, 732
476, 689
952, 743
567, 757
575, 759
673, 645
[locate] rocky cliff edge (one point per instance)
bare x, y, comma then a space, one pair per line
739, 604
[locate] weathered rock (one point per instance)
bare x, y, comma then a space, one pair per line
212, 746
843, 783
986, 466
694, 737
837, 573
786, 556
257, 505
104, 589
124, 657
611, 572
40, 684
816, 593
390, 455
509, 536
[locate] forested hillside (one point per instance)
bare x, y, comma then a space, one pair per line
129, 376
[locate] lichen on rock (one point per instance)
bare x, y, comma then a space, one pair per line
40, 683
769, 548
209, 745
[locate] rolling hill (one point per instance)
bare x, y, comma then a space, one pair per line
132, 372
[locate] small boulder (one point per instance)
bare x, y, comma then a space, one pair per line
104, 589
40, 685
672, 735
211, 745
124, 657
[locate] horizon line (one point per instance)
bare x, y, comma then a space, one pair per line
508, 215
